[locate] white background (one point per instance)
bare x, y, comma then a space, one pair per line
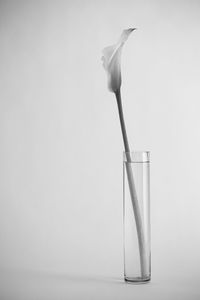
61, 147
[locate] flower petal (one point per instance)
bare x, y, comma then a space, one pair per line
114, 71
125, 34
107, 55
112, 61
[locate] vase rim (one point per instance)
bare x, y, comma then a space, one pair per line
136, 156
137, 151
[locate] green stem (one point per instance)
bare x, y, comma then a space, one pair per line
135, 204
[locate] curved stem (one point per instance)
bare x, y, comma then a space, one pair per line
135, 204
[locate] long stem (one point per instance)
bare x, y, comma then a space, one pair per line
135, 204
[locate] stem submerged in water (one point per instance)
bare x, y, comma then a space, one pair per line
135, 204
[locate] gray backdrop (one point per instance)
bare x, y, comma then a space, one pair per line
61, 148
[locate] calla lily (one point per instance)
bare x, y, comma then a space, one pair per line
112, 61
112, 64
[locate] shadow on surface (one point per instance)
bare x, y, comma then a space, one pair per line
62, 276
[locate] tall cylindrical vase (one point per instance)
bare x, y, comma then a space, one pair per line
136, 215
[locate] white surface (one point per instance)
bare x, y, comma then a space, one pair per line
61, 146
35, 285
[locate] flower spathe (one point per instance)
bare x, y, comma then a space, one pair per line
112, 61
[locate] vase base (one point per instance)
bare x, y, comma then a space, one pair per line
137, 280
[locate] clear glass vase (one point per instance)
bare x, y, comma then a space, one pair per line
136, 215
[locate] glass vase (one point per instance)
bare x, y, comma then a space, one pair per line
136, 216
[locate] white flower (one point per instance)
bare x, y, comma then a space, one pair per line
112, 61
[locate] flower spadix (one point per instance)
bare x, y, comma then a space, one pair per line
112, 61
